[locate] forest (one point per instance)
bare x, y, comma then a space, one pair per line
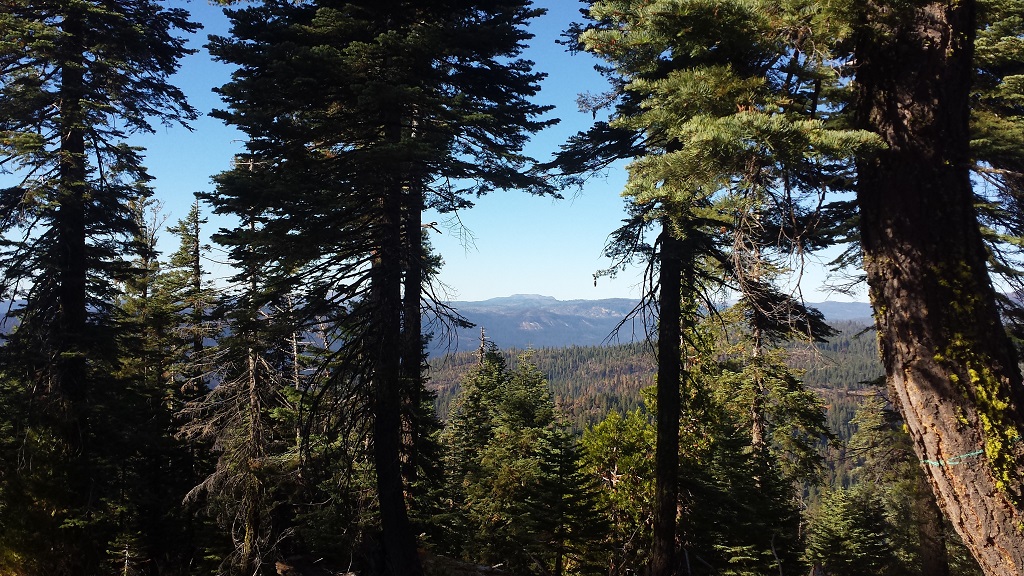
158, 420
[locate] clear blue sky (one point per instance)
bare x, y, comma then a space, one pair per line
520, 244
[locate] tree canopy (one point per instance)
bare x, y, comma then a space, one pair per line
281, 420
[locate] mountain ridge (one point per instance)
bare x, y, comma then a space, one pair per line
534, 320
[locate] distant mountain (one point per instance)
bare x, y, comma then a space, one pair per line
530, 320
844, 311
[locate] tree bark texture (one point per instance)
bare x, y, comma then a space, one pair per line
666, 457
945, 351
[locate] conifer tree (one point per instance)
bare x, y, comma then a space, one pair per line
850, 535
946, 354
252, 367
359, 114
727, 107
887, 462
495, 438
925, 257
192, 297
76, 80
563, 512
620, 452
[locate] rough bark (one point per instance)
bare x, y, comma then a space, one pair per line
666, 457
942, 343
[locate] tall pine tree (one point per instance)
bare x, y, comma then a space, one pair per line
953, 368
711, 101
76, 80
359, 115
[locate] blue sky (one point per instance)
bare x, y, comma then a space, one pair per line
519, 243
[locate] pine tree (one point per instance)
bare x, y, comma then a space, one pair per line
494, 441
922, 539
183, 281
941, 337
745, 82
156, 469
76, 80
563, 511
619, 451
726, 110
360, 114
850, 535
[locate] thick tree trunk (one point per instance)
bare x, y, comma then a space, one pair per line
945, 352
666, 457
399, 543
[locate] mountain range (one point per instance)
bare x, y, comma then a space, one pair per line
530, 320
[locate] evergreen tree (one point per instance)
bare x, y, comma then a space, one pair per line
156, 469
850, 535
183, 281
786, 421
946, 354
726, 109
76, 80
620, 452
563, 512
921, 538
738, 511
494, 445
466, 433
753, 93
243, 492
359, 115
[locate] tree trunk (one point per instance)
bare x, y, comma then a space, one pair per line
941, 339
758, 419
412, 330
69, 333
399, 543
666, 457
198, 306
67, 337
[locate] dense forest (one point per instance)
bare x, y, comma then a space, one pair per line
588, 382
285, 419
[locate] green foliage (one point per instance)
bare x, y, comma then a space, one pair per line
76, 80
619, 451
850, 535
358, 116
785, 419
884, 459
739, 511
495, 444
565, 519
587, 382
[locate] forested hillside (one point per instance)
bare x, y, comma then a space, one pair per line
589, 381
586, 381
